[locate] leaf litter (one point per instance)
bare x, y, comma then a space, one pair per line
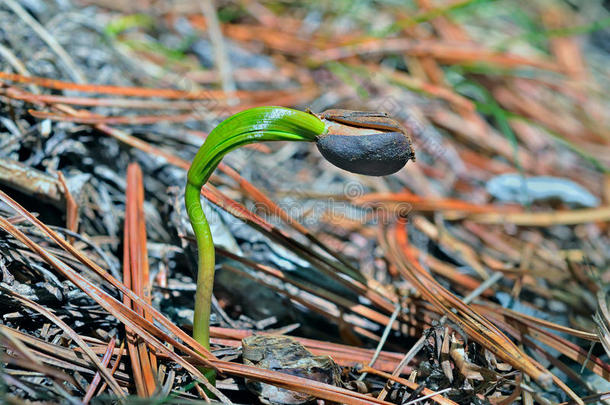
469, 295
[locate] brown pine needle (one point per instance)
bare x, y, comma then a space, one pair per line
151, 333
479, 328
97, 378
135, 276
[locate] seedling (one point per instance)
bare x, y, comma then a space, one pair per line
360, 142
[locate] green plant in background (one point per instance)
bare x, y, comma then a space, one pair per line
119, 29
119, 25
361, 142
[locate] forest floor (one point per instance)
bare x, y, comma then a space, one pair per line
476, 274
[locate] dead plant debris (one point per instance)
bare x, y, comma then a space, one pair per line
478, 274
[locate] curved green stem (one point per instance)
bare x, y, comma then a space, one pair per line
205, 266
253, 125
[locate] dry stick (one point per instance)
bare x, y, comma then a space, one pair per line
73, 335
384, 337
73, 70
218, 44
428, 396
97, 378
118, 120
589, 353
602, 320
223, 314
18, 94
14, 61
30, 181
111, 266
546, 219
530, 320
495, 277
20, 346
604, 396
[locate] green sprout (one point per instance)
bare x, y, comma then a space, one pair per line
361, 142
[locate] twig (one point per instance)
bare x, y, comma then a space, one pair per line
12, 59
220, 53
427, 396
384, 337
